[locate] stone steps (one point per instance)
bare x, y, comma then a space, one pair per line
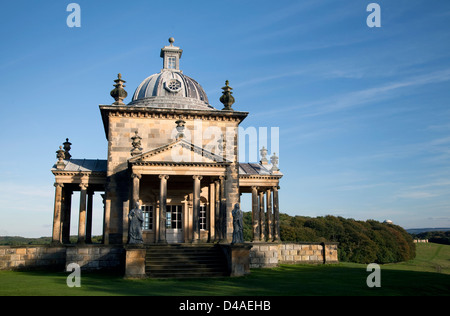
185, 261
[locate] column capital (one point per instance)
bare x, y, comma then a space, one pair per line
163, 176
83, 186
136, 175
197, 177
275, 188
254, 187
57, 184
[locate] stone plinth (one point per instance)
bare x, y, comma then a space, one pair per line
135, 262
238, 257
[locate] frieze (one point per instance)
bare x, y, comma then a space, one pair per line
174, 114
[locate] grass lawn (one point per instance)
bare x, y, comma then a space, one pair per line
427, 274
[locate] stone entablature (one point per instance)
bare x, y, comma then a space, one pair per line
172, 114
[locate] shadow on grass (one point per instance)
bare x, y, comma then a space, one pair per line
286, 280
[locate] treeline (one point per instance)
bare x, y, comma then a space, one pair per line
438, 237
20, 241
359, 241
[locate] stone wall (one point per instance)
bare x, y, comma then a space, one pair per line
107, 257
96, 257
266, 255
32, 257
89, 257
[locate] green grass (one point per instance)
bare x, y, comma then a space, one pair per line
428, 274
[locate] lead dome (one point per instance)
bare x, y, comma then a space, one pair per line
170, 88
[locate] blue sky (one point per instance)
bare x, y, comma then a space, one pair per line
363, 113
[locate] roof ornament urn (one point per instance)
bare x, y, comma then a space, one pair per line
119, 93
67, 148
227, 99
60, 156
274, 161
263, 152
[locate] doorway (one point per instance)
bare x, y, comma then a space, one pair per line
174, 224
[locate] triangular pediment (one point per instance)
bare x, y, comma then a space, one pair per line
178, 151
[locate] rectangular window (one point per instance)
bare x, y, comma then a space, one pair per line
147, 212
171, 62
202, 217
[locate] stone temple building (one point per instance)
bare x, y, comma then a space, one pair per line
177, 156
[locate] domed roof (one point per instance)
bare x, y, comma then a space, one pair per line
170, 88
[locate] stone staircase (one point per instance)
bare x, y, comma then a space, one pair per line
185, 261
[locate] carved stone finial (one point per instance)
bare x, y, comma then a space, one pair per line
136, 143
60, 156
67, 148
119, 93
227, 99
263, 152
274, 161
171, 41
180, 128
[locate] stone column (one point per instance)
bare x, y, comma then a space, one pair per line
217, 210
269, 215
104, 212
276, 215
135, 195
196, 207
66, 216
255, 214
82, 219
262, 227
212, 211
186, 219
107, 218
162, 208
56, 236
90, 203
222, 211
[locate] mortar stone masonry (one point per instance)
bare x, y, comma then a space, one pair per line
113, 257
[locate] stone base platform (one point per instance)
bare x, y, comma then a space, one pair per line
131, 260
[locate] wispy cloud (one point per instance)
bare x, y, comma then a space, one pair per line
336, 103
416, 195
16, 197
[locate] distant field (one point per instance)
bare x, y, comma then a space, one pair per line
430, 258
428, 274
